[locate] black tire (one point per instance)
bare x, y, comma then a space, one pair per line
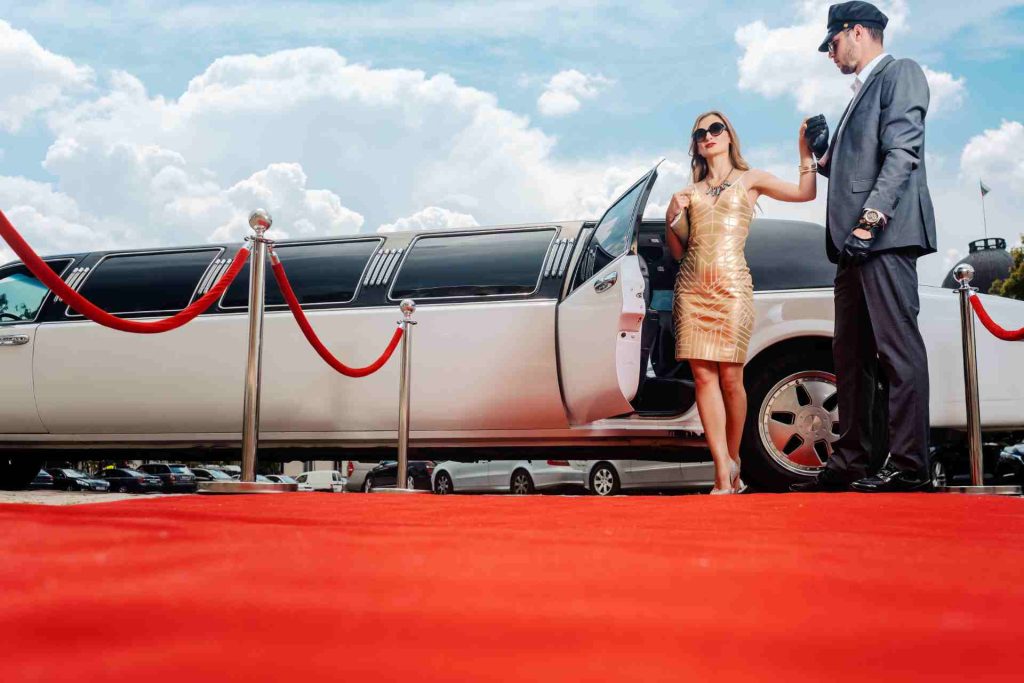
521, 483
18, 472
604, 480
368, 485
792, 419
122, 489
443, 484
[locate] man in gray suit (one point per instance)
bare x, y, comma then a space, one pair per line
880, 220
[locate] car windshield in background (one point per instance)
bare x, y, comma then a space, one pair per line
179, 469
137, 474
75, 474
285, 479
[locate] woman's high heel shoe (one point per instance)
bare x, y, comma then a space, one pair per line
737, 484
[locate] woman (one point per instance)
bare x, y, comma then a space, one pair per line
713, 307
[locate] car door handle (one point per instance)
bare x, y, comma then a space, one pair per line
605, 282
14, 339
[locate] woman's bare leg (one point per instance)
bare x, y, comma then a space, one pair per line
730, 376
711, 407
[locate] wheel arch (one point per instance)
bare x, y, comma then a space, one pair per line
808, 343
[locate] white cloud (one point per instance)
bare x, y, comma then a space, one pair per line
997, 157
33, 78
565, 89
783, 62
431, 218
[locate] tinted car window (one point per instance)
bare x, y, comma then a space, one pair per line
147, 283
21, 294
788, 255
321, 273
615, 231
473, 265
177, 468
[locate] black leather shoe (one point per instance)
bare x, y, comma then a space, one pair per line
891, 480
827, 481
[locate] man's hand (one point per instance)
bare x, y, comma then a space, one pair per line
857, 247
816, 135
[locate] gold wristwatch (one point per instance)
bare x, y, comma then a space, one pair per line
871, 217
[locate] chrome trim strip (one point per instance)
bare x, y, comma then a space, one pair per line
392, 262
204, 282
564, 261
218, 251
74, 279
355, 292
554, 228
551, 257
375, 266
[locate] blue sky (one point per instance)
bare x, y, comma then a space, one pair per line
441, 114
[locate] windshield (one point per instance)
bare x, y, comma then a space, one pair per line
179, 469
217, 474
75, 474
285, 479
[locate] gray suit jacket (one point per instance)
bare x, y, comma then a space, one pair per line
878, 162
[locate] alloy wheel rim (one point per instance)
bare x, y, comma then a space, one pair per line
519, 485
799, 421
603, 481
442, 484
939, 478
410, 483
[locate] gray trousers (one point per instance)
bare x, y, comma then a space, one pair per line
881, 367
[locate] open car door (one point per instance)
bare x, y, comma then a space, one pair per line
599, 321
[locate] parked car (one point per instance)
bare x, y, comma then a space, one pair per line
42, 480
383, 475
355, 472
323, 480
508, 476
285, 479
610, 477
75, 480
176, 477
530, 338
210, 474
127, 480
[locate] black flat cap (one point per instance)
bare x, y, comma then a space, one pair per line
846, 14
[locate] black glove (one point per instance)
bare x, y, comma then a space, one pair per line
857, 249
817, 135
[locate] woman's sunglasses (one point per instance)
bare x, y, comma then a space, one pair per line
701, 134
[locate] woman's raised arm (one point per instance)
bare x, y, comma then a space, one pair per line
772, 186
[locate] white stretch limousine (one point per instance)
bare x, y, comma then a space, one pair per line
531, 339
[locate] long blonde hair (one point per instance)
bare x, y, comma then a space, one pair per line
699, 164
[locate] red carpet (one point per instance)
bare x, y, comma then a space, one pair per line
421, 588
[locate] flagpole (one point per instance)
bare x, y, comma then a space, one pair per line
984, 218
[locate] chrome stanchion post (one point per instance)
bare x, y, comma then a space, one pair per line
260, 221
408, 307
964, 273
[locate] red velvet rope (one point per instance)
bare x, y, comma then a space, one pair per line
82, 305
314, 341
991, 326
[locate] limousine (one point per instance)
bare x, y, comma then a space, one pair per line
531, 339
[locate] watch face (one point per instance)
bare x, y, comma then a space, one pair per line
872, 216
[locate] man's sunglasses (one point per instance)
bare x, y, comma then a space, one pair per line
832, 43
701, 134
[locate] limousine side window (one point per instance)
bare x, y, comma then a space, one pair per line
487, 264
21, 294
615, 232
150, 282
319, 272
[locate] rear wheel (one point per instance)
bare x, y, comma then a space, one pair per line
17, 473
604, 480
122, 489
368, 485
443, 484
522, 483
792, 419
940, 478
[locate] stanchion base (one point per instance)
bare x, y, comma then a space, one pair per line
245, 487
1001, 490
392, 489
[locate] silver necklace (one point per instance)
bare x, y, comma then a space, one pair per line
718, 189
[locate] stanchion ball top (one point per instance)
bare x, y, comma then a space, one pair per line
964, 272
260, 220
408, 307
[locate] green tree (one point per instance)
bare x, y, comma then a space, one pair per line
1012, 286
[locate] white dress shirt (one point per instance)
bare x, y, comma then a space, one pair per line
858, 83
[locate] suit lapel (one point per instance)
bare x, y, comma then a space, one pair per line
852, 106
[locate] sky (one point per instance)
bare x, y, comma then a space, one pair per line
135, 124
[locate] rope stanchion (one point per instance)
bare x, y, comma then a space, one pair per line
82, 305
314, 341
991, 325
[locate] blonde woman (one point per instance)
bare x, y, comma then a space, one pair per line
713, 306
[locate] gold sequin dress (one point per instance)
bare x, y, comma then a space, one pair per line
713, 302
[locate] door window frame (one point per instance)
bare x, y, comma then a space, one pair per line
49, 292
219, 251
555, 229
355, 292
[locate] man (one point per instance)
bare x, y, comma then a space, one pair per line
880, 220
